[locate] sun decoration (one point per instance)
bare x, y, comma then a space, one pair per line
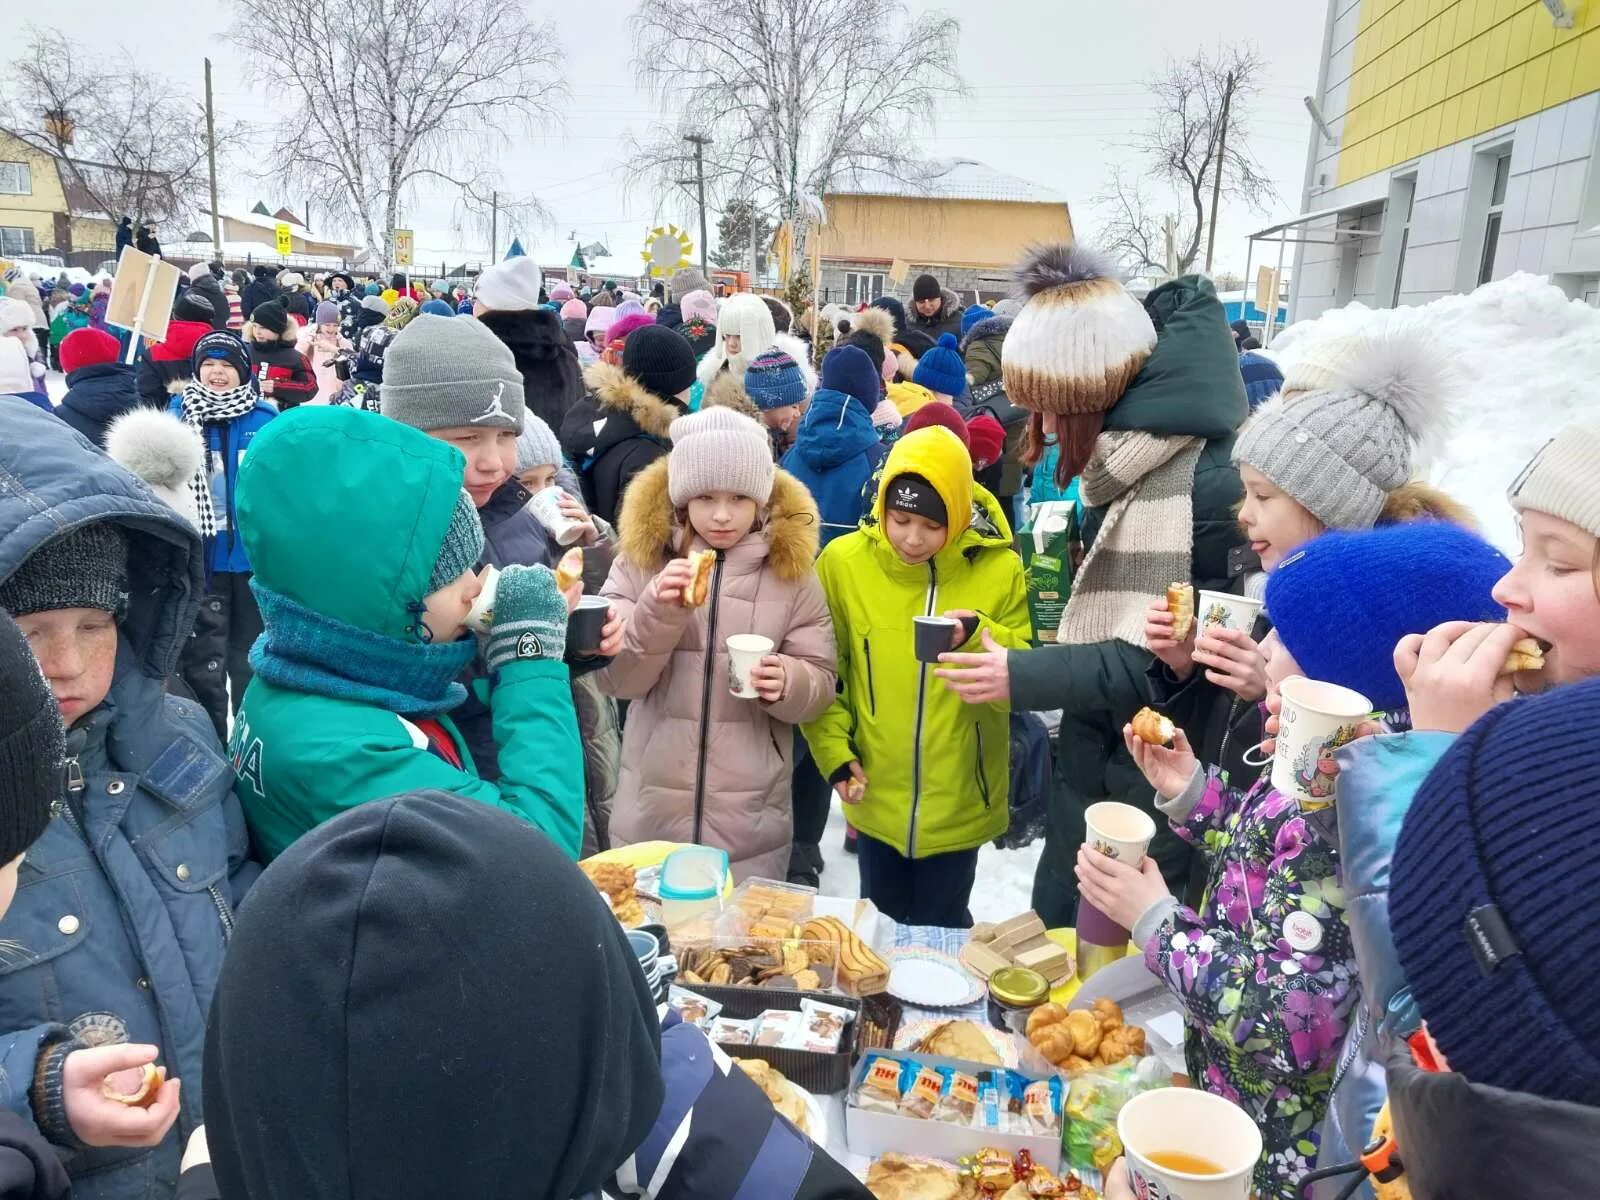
667, 249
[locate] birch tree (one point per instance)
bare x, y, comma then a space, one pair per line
380, 97
793, 93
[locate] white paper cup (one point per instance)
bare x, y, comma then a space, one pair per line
546, 505
1119, 831
745, 651
1220, 610
480, 617
1317, 719
1187, 1121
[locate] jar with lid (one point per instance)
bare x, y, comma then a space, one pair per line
1015, 990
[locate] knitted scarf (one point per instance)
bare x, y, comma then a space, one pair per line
1145, 541
310, 652
202, 406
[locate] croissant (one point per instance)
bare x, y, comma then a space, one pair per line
1526, 655
1049, 1034
1108, 1012
1180, 603
1123, 1042
1150, 726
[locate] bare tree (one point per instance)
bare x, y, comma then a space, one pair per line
1200, 130
793, 93
385, 94
126, 141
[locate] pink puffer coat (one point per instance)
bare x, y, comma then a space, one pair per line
699, 764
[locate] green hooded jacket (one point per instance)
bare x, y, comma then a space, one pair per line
1190, 386
344, 513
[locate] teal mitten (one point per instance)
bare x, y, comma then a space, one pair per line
530, 618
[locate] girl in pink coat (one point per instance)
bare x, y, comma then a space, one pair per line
320, 342
699, 763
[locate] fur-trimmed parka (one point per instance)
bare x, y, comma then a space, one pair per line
613, 433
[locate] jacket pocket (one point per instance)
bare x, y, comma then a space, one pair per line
978, 771
866, 656
191, 856
47, 919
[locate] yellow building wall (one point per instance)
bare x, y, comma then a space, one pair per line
37, 210
964, 233
1428, 73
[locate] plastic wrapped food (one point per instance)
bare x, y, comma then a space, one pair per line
922, 1097
959, 1102
881, 1084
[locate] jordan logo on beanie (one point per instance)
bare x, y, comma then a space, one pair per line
494, 412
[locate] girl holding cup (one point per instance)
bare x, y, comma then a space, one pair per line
701, 763
1264, 967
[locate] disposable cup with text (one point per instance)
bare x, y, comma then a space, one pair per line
1185, 1144
1316, 719
1220, 610
745, 652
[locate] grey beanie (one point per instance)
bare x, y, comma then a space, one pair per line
685, 281
376, 304
1342, 433
443, 372
84, 568
1561, 479
537, 445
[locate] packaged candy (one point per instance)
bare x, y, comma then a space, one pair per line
693, 1008
822, 1026
777, 1028
1041, 1106
959, 1102
922, 1097
993, 1170
725, 1031
990, 1113
880, 1085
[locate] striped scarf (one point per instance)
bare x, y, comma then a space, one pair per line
202, 407
1144, 543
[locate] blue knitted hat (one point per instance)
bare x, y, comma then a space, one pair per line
438, 308
1342, 601
973, 315
942, 369
847, 369
1494, 884
774, 381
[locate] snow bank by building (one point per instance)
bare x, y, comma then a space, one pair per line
1527, 362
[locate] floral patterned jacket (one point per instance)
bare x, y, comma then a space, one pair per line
1264, 969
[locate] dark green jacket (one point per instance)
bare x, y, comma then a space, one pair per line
1191, 386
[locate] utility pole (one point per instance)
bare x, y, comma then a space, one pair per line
701, 141
1216, 182
755, 253
1169, 228
211, 152
494, 225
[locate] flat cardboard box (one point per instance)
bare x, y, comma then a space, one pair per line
1046, 541
873, 1134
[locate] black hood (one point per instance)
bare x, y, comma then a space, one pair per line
1459, 1139
529, 333
366, 318
552, 380
425, 997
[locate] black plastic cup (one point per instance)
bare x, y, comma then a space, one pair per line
934, 636
584, 626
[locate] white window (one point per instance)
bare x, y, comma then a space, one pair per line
1491, 230
16, 239
862, 287
15, 179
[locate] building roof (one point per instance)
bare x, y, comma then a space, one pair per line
253, 218
947, 179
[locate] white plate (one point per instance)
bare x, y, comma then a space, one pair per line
929, 979
816, 1117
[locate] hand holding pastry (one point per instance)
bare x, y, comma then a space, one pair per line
1168, 769
672, 580
90, 1079
1177, 654
854, 789
1454, 673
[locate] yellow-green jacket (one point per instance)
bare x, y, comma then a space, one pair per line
938, 769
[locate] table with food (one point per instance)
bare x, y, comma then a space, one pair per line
935, 1063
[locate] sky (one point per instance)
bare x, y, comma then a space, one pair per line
1055, 94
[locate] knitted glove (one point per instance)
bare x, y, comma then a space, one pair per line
530, 618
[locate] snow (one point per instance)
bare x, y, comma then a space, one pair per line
1526, 362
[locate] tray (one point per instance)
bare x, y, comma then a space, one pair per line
820, 1073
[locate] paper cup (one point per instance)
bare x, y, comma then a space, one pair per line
586, 623
1317, 719
745, 651
1119, 831
933, 637
546, 505
1185, 1122
480, 617
1220, 610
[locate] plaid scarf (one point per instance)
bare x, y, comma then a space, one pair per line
1145, 541
202, 406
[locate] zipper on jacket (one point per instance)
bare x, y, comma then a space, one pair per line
872, 691
922, 696
705, 699
75, 783
983, 780
223, 911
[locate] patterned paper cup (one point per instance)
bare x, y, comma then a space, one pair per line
1317, 719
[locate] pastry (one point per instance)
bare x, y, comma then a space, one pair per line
701, 564
143, 1095
785, 1097
1123, 1042
1109, 1014
1086, 1032
570, 569
614, 879
1075, 1065
963, 1040
1151, 727
630, 913
1180, 603
855, 964
1051, 961
855, 791
1526, 655
895, 1177
1049, 1034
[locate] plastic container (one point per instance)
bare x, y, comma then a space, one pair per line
823, 1074
691, 883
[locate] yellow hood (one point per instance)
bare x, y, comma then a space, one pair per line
939, 457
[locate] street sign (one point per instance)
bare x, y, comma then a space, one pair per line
285, 238
141, 296
402, 247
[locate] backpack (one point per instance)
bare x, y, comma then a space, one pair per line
991, 398
1031, 781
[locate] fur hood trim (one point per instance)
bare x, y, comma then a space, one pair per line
253, 333
879, 322
1061, 264
161, 450
620, 392
1418, 501
648, 529
727, 392
988, 327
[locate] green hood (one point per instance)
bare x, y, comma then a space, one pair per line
1191, 385
345, 512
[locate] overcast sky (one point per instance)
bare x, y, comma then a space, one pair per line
1055, 94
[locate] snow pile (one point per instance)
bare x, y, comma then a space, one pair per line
1527, 363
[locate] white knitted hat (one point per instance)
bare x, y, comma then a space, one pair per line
1561, 479
510, 286
1080, 338
719, 450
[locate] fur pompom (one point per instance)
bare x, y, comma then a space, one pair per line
1397, 364
1060, 264
161, 450
879, 322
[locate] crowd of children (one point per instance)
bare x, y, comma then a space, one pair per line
305, 590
